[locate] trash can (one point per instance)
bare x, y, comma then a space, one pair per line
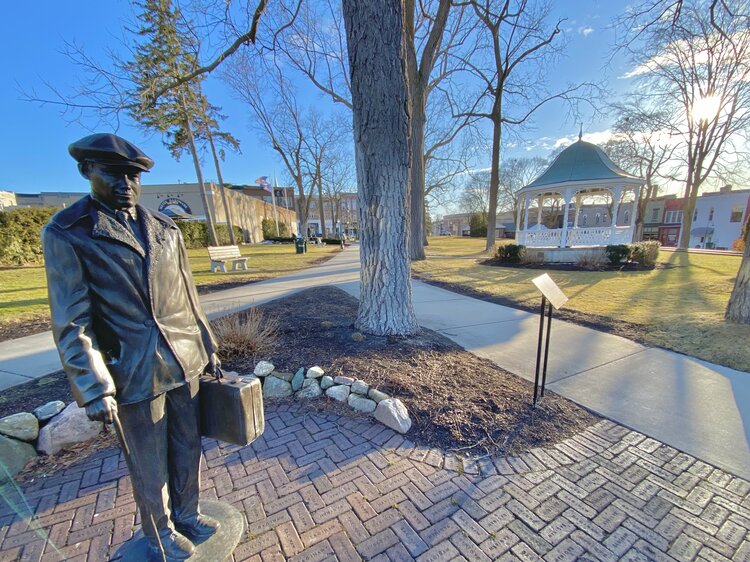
301, 245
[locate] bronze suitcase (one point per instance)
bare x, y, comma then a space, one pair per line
231, 409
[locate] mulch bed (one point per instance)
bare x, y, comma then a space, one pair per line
457, 400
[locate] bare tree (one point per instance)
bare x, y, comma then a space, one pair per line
377, 47
642, 146
278, 118
514, 44
738, 308
695, 66
516, 173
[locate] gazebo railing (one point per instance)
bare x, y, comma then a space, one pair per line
551, 237
599, 236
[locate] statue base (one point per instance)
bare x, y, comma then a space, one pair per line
216, 548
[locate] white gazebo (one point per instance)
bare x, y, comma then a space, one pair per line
582, 200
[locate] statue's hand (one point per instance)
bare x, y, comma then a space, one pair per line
214, 366
102, 409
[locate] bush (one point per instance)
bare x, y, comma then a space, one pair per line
511, 253
245, 334
283, 240
195, 234
738, 245
645, 253
616, 253
334, 241
269, 229
20, 231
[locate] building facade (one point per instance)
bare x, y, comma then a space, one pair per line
718, 218
457, 224
7, 200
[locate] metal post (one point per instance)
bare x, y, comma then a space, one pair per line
546, 347
539, 349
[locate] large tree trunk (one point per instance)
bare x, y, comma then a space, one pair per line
738, 308
494, 180
380, 103
227, 210
321, 213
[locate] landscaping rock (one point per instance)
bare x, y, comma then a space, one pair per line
69, 427
343, 380
326, 382
276, 388
298, 379
49, 410
392, 413
263, 368
13, 456
360, 387
361, 404
315, 372
338, 392
310, 389
375, 394
283, 376
22, 426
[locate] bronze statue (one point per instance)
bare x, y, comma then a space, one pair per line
132, 336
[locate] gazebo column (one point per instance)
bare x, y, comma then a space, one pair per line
525, 219
564, 237
521, 209
540, 202
578, 210
617, 194
634, 212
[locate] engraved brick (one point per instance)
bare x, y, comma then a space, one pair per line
376, 544
438, 532
594, 547
468, 548
567, 551
409, 538
443, 552
321, 551
321, 532
529, 537
475, 531
290, 541
556, 531
499, 544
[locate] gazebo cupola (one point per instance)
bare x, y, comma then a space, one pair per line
582, 199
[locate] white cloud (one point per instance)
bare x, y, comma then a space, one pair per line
585, 30
597, 137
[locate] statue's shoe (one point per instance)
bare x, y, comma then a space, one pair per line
199, 527
174, 545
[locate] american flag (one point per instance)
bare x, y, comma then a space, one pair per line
264, 183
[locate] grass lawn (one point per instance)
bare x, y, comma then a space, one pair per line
23, 290
680, 308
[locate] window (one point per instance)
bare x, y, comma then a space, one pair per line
695, 215
598, 218
711, 215
673, 217
655, 214
583, 219
627, 217
736, 215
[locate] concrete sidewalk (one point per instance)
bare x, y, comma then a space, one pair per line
695, 406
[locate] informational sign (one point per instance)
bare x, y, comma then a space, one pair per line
175, 204
550, 290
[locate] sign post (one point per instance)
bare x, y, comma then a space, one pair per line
551, 296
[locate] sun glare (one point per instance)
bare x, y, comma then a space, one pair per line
706, 108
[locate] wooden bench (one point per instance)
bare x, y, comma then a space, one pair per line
220, 255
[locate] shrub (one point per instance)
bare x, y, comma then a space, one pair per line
645, 253
245, 334
591, 260
616, 253
289, 240
269, 229
738, 245
195, 233
478, 225
511, 253
20, 231
334, 241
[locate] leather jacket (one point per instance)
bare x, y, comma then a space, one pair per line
126, 319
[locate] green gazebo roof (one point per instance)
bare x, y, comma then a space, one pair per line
582, 162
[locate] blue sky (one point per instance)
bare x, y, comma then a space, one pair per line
34, 138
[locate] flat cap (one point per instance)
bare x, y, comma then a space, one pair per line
106, 148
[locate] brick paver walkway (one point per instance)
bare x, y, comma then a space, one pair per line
318, 487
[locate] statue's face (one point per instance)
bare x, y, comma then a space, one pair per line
118, 187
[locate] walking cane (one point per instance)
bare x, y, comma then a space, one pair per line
135, 475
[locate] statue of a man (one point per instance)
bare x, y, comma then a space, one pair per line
132, 336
